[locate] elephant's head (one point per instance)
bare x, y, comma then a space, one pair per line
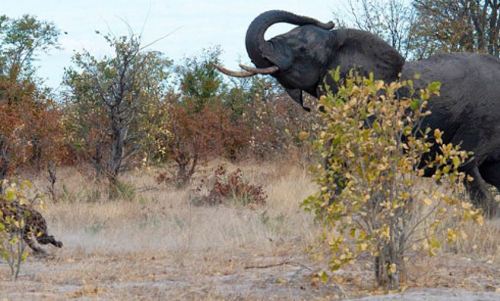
302, 58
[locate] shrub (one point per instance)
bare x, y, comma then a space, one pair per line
30, 128
230, 188
12, 226
277, 126
109, 99
375, 151
191, 137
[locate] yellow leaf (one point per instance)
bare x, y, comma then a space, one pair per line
427, 201
385, 232
363, 246
281, 280
26, 184
323, 276
352, 232
438, 136
452, 235
479, 219
392, 268
303, 135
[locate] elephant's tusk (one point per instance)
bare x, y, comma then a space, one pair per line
268, 70
234, 73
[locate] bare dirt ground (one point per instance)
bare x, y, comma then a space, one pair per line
157, 246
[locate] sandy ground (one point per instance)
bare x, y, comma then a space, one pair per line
434, 294
158, 246
245, 276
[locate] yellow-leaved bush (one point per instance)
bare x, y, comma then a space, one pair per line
14, 198
372, 197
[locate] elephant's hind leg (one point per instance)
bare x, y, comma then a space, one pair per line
479, 193
490, 171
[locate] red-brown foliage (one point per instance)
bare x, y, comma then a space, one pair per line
276, 126
30, 128
226, 187
192, 136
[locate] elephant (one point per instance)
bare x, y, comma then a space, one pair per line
467, 109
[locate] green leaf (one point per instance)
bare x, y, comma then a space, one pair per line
434, 87
336, 75
10, 194
25, 255
323, 276
415, 104
434, 243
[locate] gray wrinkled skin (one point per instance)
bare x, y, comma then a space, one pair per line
468, 109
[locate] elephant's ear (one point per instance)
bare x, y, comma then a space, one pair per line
279, 54
365, 52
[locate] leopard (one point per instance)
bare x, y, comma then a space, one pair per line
35, 225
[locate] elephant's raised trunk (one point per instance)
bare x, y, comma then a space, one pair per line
255, 42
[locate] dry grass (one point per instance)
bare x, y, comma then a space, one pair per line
163, 219
481, 243
155, 244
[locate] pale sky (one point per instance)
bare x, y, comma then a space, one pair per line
193, 25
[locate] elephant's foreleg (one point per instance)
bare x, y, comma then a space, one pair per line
296, 95
479, 193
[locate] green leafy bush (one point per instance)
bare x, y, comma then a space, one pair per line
372, 198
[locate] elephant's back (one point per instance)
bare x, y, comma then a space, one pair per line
472, 67
453, 65
466, 79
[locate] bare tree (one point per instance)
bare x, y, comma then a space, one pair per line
119, 86
463, 25
392, 20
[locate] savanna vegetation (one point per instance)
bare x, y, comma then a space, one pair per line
166, 180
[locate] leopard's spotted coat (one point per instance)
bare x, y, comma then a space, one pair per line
34, 224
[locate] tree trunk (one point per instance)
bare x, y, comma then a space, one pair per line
36, 155
118, 136
97, 161
390, 268
4, 163
185, 168
52, 177
385, 273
